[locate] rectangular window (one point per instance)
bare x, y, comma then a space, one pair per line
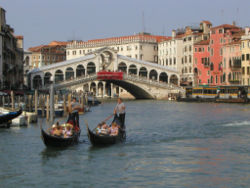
221, 52
248, 70
243, 70
212, 52
243, 57
247, 57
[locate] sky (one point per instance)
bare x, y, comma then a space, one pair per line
43, 21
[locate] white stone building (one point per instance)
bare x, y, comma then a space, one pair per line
142, 46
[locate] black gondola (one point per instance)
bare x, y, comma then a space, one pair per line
104, 140
54, 141
5, 118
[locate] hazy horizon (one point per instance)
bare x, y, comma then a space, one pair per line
41, 22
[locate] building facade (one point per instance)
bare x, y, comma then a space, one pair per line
178, 53
201, 63
142, 46
48, 54
11, 56
232, 63
245, 57
219, 36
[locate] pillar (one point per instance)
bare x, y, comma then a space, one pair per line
104, 89
111, 90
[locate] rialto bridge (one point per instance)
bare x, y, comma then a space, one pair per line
141, 79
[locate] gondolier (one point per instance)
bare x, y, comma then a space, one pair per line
120, 109
74, 108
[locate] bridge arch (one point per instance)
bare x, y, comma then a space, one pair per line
143, 72
163, 77
69, 73
47, 78
37, 82
153, 74
93, 88
173, 79
91, 68
80, 71
133, 69
122, 67
59, 76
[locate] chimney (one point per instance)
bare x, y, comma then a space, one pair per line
234, 23
19, 41
247, 29
173, 33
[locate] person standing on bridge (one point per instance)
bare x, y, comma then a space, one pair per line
120, 109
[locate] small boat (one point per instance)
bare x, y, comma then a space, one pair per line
6, 118
105, 140
58, 112
55, 141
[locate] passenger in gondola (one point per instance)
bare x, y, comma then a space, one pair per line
105, 128
99, 128
58, 131
68, 132
120, 109
114, 129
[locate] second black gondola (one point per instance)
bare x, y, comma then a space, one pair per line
105, 140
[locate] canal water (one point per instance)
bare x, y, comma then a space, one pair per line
168, 144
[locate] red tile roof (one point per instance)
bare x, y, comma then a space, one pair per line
54, 43
207, 22
203, 42
19, 37
145, 37
227, 26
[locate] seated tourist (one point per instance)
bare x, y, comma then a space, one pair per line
114, 129
58, 131
68, 132
105, 128
98, 129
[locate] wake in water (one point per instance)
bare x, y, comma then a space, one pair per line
237, 124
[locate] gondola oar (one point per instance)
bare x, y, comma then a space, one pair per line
107, 118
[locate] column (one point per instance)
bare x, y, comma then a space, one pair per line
104, 89
111, 90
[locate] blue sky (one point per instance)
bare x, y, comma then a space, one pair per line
41, 21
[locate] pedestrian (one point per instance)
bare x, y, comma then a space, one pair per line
120, 109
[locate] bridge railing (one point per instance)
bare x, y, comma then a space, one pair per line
77, 80
156, 83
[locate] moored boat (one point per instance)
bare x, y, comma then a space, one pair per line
6, 118
105, 140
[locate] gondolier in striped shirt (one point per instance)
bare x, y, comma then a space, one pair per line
120, 109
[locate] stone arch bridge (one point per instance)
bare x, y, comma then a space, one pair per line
142, 79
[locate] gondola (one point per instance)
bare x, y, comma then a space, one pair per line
105, 140
55, 141
5, 118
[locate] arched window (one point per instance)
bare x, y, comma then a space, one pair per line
91, 68
132, 69
153, 75
143, 72
122, 67
80, 71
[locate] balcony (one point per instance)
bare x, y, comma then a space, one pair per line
235, 82
235, 64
